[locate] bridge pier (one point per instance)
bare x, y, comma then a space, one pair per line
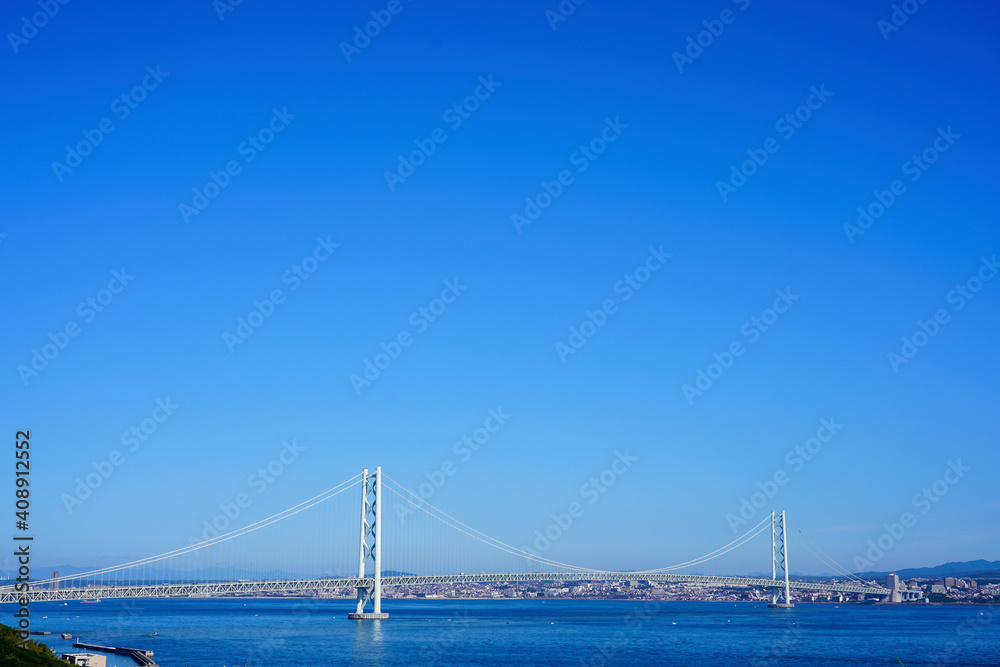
371, 547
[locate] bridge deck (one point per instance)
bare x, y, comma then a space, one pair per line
216, 589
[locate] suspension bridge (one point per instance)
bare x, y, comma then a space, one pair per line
215, 566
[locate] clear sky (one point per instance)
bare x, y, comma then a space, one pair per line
358, 189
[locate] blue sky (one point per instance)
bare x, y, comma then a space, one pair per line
388, 252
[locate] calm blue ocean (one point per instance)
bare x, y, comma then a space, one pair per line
310, 633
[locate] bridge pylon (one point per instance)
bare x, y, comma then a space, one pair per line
779, 558
371, 547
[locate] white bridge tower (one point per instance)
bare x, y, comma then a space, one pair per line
779, 558
371, 547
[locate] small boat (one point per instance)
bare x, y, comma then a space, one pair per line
94, 601
66, 635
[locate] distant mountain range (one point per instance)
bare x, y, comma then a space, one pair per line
972, 568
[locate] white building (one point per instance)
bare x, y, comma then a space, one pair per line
900, 593
88, 659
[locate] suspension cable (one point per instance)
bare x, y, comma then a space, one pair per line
745, 537
218, 539
489, 540
832, 563
698, 561
455, 524
506, 547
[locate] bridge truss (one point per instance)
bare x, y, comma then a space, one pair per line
302, 586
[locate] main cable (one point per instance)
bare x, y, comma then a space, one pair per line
742, 539
219, 538
831, 563
489, 540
